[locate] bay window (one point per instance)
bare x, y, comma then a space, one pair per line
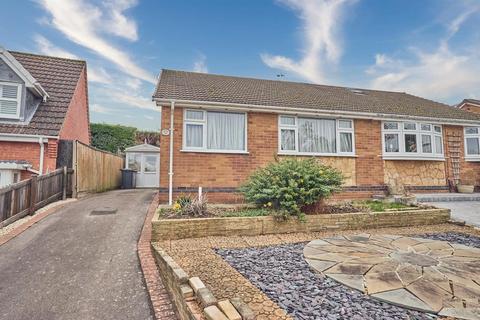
315, 136
412, 140
214, 131
472, 142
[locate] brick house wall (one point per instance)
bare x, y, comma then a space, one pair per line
30, 152
76, 125
220, 174
471, 107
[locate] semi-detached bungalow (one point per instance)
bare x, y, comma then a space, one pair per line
216, 130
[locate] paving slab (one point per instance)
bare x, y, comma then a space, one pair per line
409, 272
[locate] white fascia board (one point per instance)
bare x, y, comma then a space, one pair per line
306, 111
23, 73
24, 137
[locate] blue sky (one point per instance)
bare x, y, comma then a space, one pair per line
429, 48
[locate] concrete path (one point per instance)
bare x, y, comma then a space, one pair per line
468, 211
73, 265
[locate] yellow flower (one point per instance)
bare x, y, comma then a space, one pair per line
269, 204
176, 206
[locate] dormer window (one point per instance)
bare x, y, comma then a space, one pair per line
10, 98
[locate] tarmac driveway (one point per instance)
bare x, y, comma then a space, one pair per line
468, 211
73, 265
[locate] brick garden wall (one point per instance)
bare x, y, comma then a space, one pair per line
366, 174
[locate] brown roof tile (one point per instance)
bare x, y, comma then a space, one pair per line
59, 77
193, 86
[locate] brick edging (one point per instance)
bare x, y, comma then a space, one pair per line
160, 300
27, 224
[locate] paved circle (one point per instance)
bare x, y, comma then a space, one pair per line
421, 274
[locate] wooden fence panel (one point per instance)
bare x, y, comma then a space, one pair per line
96, 170
22, 198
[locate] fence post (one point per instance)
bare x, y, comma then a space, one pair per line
65, 182
33, 194
14, 203
75, 169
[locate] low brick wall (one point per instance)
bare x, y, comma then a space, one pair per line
193, 300
169, 229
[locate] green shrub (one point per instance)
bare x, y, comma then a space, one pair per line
289, 184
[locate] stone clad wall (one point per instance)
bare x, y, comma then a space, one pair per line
345, 165
414, 173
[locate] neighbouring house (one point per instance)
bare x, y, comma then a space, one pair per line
42, 100
216, 130
471, 105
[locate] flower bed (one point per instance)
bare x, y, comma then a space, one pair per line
169, 229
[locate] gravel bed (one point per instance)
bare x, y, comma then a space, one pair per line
284, 276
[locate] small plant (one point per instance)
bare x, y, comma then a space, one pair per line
288, 185
196, 207
183, 200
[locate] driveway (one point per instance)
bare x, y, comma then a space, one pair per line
468, 211
73, 265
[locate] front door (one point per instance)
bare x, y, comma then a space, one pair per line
147, 166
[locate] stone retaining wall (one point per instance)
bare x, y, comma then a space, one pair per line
170, 229
193, 300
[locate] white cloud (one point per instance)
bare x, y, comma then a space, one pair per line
84, 24
101, 109
99, 75
201, 64
149, 117
49, 49
444, 73
44, 46
119, 24
137, 101
321, 21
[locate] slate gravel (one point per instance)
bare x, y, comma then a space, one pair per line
284, 276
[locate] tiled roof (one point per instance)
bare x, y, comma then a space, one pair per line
474, 101
59, 77
193, 86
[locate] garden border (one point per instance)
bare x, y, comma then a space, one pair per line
173, 229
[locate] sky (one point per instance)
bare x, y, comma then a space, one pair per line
429, 48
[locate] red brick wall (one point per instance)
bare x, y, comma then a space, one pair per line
216, 171
368, 145
76, 124
221, 174
469, 171
30, 151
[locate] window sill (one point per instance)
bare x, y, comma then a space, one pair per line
215, 151
316, 154
472, 159
413, 157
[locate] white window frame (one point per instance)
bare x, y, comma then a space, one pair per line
18, 100
338, 130
418, 132
469, 157
204, 123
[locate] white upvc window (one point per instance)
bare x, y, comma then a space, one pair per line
10, 99
214, 131
315, 136
412, 140
472, 143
